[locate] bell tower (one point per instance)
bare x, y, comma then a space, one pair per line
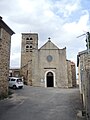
28, 46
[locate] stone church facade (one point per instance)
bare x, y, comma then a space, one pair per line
46, 66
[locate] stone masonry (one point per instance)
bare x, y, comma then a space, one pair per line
5, 42
71, 73
46, 66
84, 80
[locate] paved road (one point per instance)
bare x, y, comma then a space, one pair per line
35, 103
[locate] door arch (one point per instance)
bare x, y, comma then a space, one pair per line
50, 79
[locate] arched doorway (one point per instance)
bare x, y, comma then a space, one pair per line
50, 79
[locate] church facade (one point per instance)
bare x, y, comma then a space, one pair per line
46, 66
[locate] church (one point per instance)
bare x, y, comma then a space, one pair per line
46, 66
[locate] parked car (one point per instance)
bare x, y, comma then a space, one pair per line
15, 82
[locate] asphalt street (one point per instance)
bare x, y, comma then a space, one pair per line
37, 103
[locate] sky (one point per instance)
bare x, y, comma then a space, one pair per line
61, 20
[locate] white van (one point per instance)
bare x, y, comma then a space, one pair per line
15, 82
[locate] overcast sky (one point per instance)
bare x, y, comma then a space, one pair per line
62, 20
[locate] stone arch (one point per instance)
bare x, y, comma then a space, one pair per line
50, 79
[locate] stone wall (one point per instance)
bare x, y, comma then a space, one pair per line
57, 66
29, 46
14, 72
4, 62
29, 43
5, 42
84, 81
71, 73
35, 66
24, 73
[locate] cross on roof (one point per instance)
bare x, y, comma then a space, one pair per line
49, 38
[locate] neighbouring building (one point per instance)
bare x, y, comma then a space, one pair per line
5, 42
71, 70
83, 63
46, 66
14, 72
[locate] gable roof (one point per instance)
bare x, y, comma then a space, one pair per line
6, 27
49, 45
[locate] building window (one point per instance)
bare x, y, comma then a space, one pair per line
27, 38
27, 50
30, 46
31, 39
27, 46
49, 58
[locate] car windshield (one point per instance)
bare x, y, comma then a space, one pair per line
19, 80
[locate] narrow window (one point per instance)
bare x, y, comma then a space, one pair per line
30, 46
27, 46
27, 38
31, 39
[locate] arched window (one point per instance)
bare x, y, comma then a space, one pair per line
27, 38
30, 46
27, 46
31, 39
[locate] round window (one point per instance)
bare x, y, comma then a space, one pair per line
49, 58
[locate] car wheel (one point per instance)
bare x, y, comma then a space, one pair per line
14, 87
